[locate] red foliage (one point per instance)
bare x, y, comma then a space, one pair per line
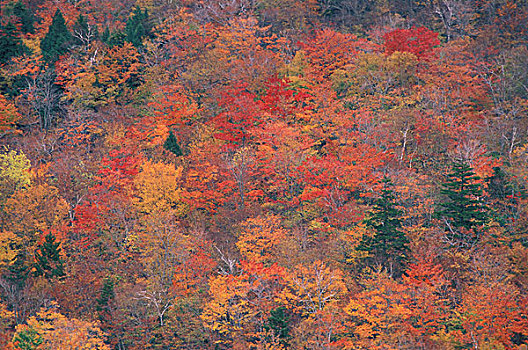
418, 41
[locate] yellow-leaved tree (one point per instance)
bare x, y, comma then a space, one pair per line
50, 329
158, 189
158, 237
14, 173
259, 238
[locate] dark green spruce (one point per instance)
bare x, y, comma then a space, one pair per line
279, 324
24, 16
388, 246
171, 144
48, 260
462, 210
138, 27
11, 44
57, 41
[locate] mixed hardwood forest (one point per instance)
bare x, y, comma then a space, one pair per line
264, 174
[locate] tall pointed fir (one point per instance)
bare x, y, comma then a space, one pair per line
11, 44
57, 40
25, 17
462, 210
171, 144
388, 246
138, 27
48, 262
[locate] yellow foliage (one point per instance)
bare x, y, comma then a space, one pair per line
229, 310
158, 189
37, 208
8, 115
8, 252
7, 318
259, 238
58, 332
14, 173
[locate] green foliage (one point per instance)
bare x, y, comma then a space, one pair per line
23, 15
279, 324
388, 246
107, 294
19, 271
57, 40
48, 260
116, 38
462, 207
504, 195
171, 144
28, 339
11, 44
138, 27
106, 35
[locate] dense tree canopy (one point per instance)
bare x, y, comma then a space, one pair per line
235, 174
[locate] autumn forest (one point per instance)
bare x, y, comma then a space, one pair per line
263, 174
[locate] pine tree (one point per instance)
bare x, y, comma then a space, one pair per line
138, 27
48, 260
105, 298
106, 35
388, 246
279, 324
463, 210
116, 38
171, 144
11, 44
504, 195
57, 40
25, 17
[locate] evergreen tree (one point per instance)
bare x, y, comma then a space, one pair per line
57, 40
463, 207
48, 261
24, 16
19, 271
106, 35
116, 38
138, 27
504, 195
388, 246
279, 324
11, 44
107, 294
171, 144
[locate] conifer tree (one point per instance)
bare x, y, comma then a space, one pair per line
279, 324
171, 144
48, 260
463, 210
25, 17
106, 296
57, 40
106, 35
388, 246
116, 38
11, 44
138, 27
